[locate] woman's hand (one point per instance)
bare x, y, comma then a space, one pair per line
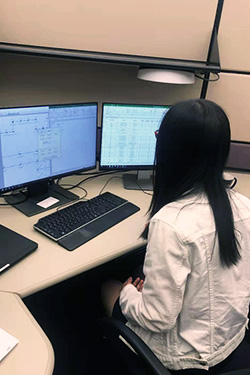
138, 283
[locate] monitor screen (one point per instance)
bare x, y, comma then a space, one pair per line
46, 142
128, 135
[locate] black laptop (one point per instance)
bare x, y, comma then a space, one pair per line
13, 248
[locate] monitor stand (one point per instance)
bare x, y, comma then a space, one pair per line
36, 193
142, 180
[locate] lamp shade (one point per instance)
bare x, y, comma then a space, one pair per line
166, 76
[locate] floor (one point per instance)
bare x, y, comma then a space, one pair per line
69, 312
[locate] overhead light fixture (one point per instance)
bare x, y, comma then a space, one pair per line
167, 76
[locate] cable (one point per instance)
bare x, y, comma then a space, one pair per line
72, 186
98, 174
144, 191
12, 204
107, 183
207, 79
5, 204
95, 175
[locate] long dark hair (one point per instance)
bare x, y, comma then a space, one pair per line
191, 151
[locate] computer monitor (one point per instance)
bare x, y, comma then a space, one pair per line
239, 156
128, 140
39, 144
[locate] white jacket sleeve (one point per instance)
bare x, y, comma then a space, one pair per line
166, 268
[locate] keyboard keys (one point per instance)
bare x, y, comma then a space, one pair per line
75, 216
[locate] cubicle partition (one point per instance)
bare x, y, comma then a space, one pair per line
60, 51
173, 30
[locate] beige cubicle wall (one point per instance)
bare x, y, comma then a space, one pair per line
169, 28
234, 35
173, 28
28, 81
232, 92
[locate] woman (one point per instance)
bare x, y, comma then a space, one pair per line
192, 308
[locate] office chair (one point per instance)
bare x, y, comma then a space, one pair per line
145, 361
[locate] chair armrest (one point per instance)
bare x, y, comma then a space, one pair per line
113, 328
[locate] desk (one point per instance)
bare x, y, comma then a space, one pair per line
33, 354
50, 263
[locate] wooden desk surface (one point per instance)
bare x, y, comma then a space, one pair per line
51, 263
33, 355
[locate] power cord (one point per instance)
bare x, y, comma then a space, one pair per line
12, 195
72, 186
106, 183
92, 176
144, 191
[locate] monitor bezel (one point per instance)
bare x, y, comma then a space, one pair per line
127, 167
8, 189
237, 169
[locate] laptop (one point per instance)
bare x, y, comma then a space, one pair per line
13, 248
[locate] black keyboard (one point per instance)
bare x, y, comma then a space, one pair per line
78, 223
